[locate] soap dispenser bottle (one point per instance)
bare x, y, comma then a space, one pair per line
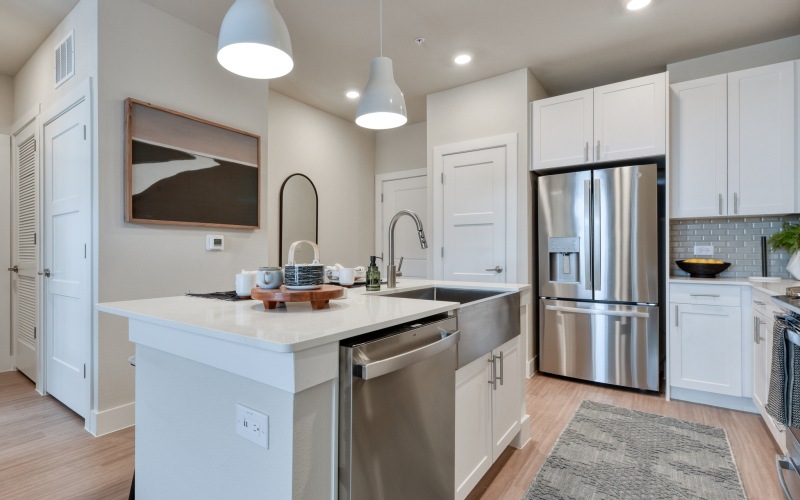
373, 275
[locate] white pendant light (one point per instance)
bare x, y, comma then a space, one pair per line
381, 104
254, 41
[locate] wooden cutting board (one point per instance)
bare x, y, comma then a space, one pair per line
319, 298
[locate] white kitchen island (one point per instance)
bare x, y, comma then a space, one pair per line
197, 359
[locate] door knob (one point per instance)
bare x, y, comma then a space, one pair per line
15, 269
45, 273
497, 269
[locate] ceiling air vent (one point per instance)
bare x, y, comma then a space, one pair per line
65, 59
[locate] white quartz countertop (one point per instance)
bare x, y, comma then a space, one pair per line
770, 288
297, 326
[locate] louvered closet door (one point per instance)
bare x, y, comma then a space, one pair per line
25, 293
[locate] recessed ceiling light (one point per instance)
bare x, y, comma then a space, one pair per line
637, 4
462, 59
352, 94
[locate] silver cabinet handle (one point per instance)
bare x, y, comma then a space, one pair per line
377, 368
497, 269
586, 153
501, 368
736, 203
598, 312
720, 203
493, 380
755, 329
598, 151
14, 269
45, 273
677, 314
703, 295
759, 302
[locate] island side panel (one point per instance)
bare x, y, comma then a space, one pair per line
186, 441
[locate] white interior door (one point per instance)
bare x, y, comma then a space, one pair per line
409, 193
67, 238
474, 216
24, 253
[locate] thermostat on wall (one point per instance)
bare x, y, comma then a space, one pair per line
215, 242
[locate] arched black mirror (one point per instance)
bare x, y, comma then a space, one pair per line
298, 217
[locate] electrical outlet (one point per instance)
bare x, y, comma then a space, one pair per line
252, 425
704, 249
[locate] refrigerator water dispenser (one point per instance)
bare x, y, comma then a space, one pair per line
564, 259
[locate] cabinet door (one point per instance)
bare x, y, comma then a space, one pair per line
473, 424
706, 348
699, 170
506, 403
630, 119
761, 140
761, 363
562, 130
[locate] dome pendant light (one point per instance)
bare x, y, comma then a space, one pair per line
254, 41
381, 105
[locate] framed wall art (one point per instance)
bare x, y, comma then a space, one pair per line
186, 170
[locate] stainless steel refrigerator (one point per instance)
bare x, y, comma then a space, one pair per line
599, 275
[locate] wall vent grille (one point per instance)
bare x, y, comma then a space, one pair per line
65, 59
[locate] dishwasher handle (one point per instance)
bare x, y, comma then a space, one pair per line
377, 368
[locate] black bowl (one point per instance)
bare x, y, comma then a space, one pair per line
702, 270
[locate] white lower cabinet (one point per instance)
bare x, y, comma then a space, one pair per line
488, 403
705, 345
763, 322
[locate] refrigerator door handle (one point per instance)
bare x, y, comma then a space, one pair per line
598, 312
596, 243
587, 233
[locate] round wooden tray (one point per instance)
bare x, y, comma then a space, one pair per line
319, 298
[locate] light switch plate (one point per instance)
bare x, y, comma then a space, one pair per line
252, 425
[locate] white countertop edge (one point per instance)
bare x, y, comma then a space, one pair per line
770, 288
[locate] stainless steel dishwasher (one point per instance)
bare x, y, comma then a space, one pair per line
397, 412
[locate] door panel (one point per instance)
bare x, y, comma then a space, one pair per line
409, 193
625, 263
473, 425
67, 231
25, 253
564, 206
475, 215
612, 344
506, 404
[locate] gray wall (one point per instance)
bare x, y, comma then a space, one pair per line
753, 56
6, 104
401, 148
735, 240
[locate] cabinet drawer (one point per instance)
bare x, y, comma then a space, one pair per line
762, 303
717, 295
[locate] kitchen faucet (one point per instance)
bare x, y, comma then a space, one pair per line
391, 270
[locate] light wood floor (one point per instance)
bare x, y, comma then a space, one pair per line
46, 454
551, 401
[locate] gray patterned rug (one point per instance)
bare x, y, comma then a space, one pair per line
608, 452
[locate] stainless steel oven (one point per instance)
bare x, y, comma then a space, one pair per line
788, 467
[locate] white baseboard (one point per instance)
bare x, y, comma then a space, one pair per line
530, 367
711, 399
114, 419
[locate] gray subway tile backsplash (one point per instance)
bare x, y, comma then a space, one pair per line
735, 240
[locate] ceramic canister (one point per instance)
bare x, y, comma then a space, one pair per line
303, 276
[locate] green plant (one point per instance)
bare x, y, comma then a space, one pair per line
788, 238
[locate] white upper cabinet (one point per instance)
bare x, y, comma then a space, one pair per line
699, 121
630, 119
614, 122
733, 144
562, 130
761, 140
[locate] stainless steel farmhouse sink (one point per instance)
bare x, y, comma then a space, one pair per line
487, 318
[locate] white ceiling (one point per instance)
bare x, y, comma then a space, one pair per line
568, 44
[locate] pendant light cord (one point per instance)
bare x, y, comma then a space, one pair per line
381, 25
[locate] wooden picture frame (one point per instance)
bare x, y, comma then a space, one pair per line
184, 170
